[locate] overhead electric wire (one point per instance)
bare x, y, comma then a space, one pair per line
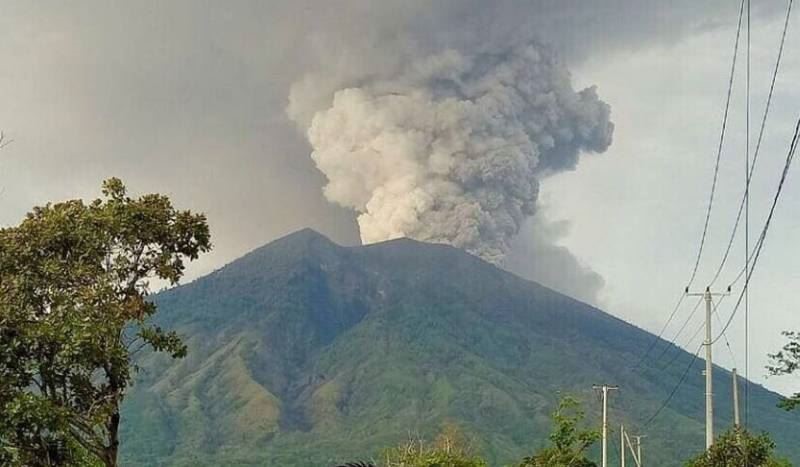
680, 331
686, 372
691, 339
683, 377
727, 343
719, 147
688, 343
751, 257
711, 196
741, 272
760, 242
757, 150
661, 333
674, 389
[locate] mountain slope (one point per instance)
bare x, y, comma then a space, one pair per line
306, 353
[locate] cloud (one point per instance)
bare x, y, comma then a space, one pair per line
451, 149
189, 99
537, 255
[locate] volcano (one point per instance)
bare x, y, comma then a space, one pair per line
307, 353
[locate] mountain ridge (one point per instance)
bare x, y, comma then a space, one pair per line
299, 347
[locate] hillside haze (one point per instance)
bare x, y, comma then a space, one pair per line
305, 353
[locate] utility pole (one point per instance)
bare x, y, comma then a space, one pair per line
638, 439
709, 376
707, 295
622, 445
605, 389
633, 452
735, 399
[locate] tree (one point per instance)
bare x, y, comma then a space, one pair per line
738, 448
450, 449
3, 141
74, 281
568, 442
785, 362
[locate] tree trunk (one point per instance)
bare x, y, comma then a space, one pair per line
113, 439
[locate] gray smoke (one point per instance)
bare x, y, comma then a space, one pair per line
538, 255
451, 148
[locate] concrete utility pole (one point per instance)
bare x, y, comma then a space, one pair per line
638, 439
622, 445
605, 389
635, 453
707, 295
709, 376
735, 399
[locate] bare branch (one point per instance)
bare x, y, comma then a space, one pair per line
3, 141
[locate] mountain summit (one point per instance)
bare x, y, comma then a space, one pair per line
306, 353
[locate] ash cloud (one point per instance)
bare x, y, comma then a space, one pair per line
96, 88
452, 148
537, 254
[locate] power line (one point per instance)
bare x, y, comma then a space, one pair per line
673, 343
685, 373
727, 343
757, 150
719, 147
680, 331
751, 258
741, 272
674, 390
762, 237
713, 190
697, 306
661, 333
688, 343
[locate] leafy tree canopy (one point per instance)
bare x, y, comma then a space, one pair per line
739, 448
568, 442
785, 362
74, 278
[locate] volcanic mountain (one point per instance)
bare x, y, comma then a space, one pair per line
306, 353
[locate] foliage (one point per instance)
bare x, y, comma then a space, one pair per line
74, 281
568, 442
739, 448
450, 449
3, 141
785, 362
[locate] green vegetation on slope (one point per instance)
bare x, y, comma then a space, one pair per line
304, 353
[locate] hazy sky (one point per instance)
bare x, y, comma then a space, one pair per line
189, 98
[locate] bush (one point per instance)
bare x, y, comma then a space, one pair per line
450, 449
739, 448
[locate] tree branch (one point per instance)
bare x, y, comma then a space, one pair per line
3, 141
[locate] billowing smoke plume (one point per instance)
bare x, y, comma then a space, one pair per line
537, 254
451, 148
